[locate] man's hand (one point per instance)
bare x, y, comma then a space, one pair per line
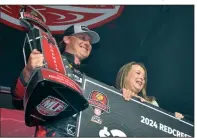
35, 60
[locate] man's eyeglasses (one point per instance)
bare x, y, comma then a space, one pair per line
83, 37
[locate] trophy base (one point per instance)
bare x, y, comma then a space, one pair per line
51, 95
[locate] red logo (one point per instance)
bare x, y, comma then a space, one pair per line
99, 103
51, 106
58, 18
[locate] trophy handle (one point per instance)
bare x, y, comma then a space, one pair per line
30, 29
34, 21
37, 31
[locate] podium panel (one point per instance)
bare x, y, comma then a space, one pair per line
109, 115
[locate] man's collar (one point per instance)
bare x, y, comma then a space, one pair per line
71, 59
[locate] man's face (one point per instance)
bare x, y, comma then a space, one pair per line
79, 45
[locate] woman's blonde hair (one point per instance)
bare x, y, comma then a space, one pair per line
123, 72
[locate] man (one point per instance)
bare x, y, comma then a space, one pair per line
75, 46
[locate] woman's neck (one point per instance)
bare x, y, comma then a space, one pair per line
132, 90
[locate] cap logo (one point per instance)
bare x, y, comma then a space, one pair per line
84, 28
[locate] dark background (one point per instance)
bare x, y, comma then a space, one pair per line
162, 37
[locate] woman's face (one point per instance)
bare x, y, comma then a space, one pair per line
135, 79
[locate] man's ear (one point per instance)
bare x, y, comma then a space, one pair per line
66, 39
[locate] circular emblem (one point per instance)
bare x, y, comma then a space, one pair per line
58, 18
99, 96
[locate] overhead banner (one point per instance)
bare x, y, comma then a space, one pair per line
59, 17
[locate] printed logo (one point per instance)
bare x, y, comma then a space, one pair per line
84, 28
60, 17
51, 106
77, 78
71, 129
100, 104
113, 133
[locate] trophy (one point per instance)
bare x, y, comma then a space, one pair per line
51, 93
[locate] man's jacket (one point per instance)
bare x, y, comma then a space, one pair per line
65, 127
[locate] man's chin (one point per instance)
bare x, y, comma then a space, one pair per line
82, 57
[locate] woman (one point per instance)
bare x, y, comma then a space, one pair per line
132, 80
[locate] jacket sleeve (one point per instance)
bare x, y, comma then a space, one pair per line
17, 91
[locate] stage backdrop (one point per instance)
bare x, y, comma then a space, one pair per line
162, 37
